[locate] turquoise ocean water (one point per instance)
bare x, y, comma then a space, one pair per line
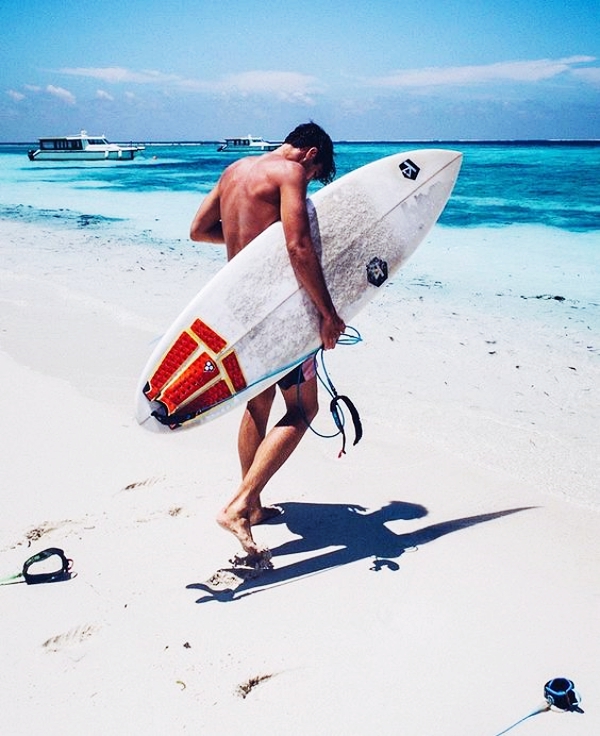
552, 184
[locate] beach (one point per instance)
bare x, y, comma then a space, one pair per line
429, 582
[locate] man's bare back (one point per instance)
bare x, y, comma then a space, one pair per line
250, 199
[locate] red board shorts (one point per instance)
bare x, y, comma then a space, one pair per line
303, 372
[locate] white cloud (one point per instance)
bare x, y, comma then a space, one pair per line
591, 74
62, 94
510, 71
117, 74
290, 86
102, 95
16, 96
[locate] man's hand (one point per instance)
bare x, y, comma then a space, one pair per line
332, 327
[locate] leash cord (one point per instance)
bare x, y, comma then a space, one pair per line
11, 579
541, 709
350, 337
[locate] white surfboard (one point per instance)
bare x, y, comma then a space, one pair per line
252, 322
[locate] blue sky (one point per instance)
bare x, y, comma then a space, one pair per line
365, 69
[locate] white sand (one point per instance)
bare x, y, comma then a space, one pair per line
443, 613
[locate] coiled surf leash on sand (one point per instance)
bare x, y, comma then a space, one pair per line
350, 337
559, 693
54, 575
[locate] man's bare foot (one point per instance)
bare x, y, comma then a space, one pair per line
239, 525
261, 514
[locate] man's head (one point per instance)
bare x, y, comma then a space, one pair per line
311, 135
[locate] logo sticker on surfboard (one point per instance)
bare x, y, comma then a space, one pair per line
409, 169
377, 271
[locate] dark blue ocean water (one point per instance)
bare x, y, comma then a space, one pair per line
555, 184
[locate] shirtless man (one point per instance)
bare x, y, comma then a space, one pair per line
251, 194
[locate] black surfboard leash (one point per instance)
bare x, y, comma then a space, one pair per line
338, 401
63, 572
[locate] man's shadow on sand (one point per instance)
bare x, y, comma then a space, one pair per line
358, 533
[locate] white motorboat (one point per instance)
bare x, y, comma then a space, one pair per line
247, 144
82, 147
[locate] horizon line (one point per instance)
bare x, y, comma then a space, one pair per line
356, 141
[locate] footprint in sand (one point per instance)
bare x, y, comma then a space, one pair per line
244, 568
37, 532
70, 638
144, 483
247, 687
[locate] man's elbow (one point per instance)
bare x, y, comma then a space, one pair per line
299, 253
212, 235
199, 233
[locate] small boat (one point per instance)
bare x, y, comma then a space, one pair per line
82, 147
247, 144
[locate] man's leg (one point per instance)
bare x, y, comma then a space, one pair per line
253, 427
245, 508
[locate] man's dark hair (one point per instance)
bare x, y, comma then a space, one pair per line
309, 135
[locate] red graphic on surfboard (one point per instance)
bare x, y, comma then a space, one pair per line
195, 374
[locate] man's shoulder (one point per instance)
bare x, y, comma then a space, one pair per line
283, 170
265, 163
264, 171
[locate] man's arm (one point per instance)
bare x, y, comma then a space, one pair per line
303, 257
206, 225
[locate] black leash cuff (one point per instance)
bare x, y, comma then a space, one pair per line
358, 431
63, 573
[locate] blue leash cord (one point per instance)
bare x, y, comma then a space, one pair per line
350, 337
541, 709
